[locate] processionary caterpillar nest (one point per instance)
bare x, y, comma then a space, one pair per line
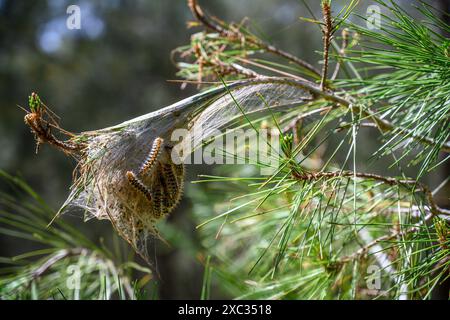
131, 175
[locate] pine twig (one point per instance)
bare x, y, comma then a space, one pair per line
327, 33
42, 128
434, 208
220, 28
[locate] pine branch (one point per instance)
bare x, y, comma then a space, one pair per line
220, 28
327, 34
435, 210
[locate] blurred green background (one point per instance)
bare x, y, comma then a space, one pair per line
114, 68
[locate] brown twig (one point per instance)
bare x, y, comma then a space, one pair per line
334, 174
327, 33
219, 27
42, 132
42, 128
435, 210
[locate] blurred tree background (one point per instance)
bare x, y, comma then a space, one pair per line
115, 68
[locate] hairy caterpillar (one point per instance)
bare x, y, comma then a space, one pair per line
159, 180
171, 180
152, 156
138, 185
179, 172
167, 202
157, 199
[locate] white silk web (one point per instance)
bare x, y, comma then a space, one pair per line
101, 188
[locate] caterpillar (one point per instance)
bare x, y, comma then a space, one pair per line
179, 172
171, 180
167, 201
157, 201
166, 206
138, 185
152, 156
